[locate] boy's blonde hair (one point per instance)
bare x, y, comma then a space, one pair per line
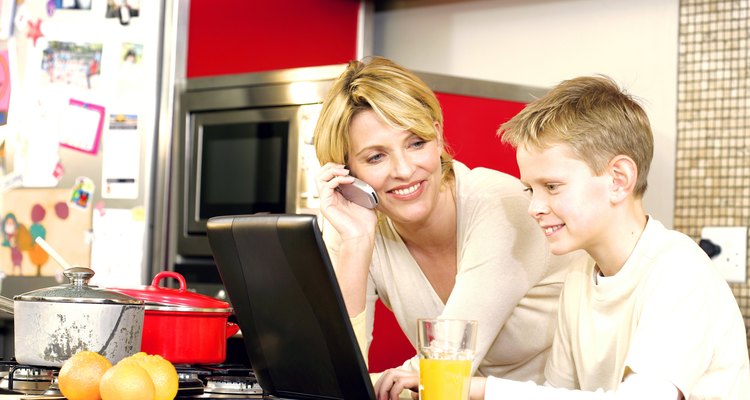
395, 94
594, 117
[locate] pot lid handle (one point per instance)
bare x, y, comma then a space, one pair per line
79, 276
170, 274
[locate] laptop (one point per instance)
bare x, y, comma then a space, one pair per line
280, 281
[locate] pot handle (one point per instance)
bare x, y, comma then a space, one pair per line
232, 328
6, 305
169, 274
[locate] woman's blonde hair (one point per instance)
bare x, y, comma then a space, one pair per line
395, 94
594, 117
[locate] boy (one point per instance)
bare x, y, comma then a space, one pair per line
649, 318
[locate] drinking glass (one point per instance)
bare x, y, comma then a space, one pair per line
446, 349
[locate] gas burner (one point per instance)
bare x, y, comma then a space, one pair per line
190, 381
217, 381
232, 385
229, 369
26, 379
53, 389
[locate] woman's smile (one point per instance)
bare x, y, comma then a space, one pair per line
408, 192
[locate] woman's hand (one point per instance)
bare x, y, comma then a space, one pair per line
349, 219
393, 381
476, 392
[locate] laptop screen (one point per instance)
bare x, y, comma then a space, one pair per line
280, 281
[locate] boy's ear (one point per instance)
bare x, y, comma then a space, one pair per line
624, 173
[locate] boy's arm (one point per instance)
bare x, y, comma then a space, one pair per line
635, 387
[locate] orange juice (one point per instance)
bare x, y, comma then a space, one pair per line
444, 379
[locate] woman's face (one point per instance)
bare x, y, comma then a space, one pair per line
403, 168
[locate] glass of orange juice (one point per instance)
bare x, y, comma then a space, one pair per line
446, 350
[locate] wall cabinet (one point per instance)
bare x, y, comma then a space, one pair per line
239, 36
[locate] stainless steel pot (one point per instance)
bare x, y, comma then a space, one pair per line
52, 324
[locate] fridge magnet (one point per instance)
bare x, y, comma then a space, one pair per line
100, 208
83, 192
59, 171
51, 7
123, 121
123, 10
81, 126
72, 64
130, 75
35, 30
73, 4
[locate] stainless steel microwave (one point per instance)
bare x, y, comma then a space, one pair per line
245, 146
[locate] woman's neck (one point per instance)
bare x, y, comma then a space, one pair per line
438, 230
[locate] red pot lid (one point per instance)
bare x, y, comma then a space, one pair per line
181, 298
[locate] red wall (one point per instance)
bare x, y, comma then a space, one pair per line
470, 130
240, 36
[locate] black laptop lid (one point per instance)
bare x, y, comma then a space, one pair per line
281, 284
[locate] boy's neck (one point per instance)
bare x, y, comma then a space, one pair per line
614, 250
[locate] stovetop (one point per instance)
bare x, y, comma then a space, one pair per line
221, 381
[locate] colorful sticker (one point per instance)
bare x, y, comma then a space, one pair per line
83, 192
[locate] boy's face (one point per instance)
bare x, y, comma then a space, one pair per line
568, 201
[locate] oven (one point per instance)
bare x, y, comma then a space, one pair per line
244, 146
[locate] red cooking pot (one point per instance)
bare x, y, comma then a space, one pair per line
182, 326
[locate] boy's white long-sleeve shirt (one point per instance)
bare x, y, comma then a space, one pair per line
666, 316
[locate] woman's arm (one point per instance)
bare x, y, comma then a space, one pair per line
352, 245
502, 255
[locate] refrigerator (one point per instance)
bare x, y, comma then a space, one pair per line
81, 93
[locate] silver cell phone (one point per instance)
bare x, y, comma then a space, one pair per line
359, 193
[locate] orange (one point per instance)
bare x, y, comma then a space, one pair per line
79, 375
126, 381
162, 372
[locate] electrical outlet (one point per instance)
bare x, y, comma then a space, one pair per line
732, 260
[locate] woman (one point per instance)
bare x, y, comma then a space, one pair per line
445, 241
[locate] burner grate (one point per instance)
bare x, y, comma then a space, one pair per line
25, 379
220, 381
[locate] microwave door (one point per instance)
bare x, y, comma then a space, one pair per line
241, 162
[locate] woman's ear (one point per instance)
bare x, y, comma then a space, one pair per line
624, 174
439, 133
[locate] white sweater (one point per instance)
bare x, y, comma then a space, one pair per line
507, 279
